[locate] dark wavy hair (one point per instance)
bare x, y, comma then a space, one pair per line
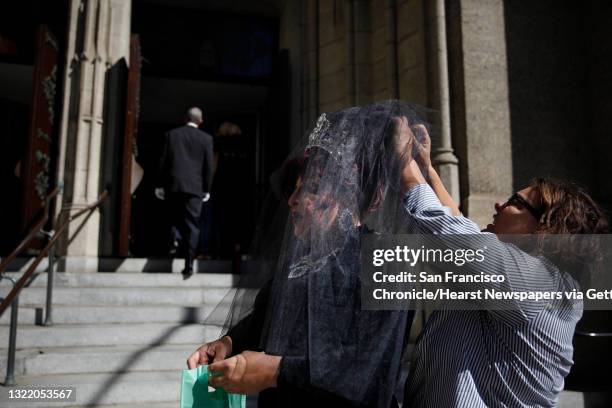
569, 211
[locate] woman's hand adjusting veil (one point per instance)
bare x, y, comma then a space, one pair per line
404, 143
210, 352
404, 138
416, 174
423, 149
246, 373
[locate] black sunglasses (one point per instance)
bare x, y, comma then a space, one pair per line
516, 199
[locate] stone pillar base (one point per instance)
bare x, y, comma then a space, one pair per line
449, 174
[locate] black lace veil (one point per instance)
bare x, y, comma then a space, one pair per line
338, 184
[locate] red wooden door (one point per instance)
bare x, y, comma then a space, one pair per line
129, 167
36, 165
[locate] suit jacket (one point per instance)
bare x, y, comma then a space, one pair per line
186, 164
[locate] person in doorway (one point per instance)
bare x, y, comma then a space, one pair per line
184, 180
231, 189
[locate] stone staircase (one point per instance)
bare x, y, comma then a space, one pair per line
121, 339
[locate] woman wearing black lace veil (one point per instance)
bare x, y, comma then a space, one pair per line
301, 305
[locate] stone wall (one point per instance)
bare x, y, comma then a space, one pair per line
332, 56
348, 46
411, 52
379, 60
480, 110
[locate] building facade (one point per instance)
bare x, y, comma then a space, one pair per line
520, 89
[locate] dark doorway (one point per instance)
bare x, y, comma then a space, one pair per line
226, 63
32, 38
560, 87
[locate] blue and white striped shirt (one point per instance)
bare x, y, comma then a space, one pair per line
491, 358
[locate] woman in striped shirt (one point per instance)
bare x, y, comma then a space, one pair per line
517, 357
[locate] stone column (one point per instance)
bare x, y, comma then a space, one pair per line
349, 40
99, 35
443, 155
363, 51
481, 120
311, 77
392, 65
292, 39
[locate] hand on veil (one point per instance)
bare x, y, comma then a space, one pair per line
210, 352
404, 138
423, 149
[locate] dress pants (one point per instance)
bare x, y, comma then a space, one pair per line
185, 215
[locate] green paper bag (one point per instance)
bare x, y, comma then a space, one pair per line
195, 392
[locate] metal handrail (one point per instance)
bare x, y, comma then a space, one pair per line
34, 230
13, 297
10, 362
31, 234
24, 278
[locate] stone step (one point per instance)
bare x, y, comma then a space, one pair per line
127, 296
140, 390
109, 334
163, 404
122, 265
34, 314
106, 388
133, 279
99, 359
121, 338
251, 402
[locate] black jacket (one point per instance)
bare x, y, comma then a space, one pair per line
186, 163
334, 353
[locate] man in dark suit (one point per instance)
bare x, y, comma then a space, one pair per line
184, 179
